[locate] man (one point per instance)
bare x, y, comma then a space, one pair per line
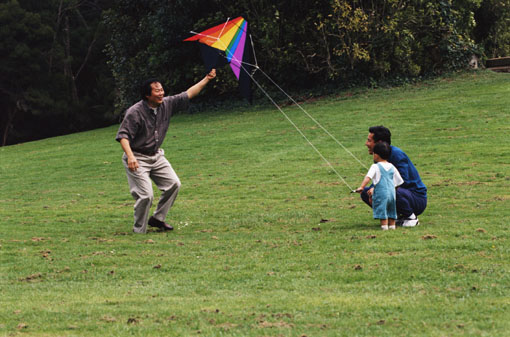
141, 134
412, 194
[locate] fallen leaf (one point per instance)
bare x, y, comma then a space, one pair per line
22, 326
429, 237
157, 266
150, 241
281, 315
109, 319
481, 230
31, 277
371, 236
45, 253
358, 267
227, 325
324, 220
281, 324
132, 320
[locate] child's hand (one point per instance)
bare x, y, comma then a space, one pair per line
359, 190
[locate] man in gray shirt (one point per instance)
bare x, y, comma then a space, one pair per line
141, 134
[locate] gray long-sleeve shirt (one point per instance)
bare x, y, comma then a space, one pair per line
146, 130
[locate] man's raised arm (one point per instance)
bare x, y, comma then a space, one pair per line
195, 90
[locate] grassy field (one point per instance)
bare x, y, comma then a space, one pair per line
267, 239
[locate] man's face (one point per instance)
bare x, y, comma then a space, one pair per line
157, 94
370, 143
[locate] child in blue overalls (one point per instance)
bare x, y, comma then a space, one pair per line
385, 178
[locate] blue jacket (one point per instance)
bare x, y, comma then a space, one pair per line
405, 167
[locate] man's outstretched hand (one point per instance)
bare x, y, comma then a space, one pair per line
212, 74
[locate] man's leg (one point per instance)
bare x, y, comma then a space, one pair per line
409, 203
168, 182
404, 202
409, 206
364, 196
140, 187
420, 204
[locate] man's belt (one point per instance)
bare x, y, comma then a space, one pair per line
145, 152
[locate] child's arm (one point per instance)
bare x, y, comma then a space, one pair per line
363, 184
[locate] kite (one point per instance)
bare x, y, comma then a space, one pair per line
228, 43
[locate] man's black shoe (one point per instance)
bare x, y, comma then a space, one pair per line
153, 222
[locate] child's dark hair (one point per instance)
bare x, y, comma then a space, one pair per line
146, 89
382, 149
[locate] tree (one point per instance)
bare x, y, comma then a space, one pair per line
492, 30
51, 66
23, 36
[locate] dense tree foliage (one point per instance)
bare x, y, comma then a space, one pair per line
54, 76
64, 63
492, 30
302, 44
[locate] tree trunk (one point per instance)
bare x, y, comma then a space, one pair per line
11, 113
68, 67
57, 27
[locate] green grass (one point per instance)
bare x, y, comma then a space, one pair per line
250, 255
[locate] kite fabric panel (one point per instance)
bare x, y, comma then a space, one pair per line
228, 43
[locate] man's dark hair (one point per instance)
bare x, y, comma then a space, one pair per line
146, 89
382, 149
381, 133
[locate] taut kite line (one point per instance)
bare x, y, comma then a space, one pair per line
227, 44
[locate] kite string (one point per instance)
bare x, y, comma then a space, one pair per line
313, 119
286, 94
241, 64
298, 129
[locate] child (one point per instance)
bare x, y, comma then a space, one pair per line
385, 178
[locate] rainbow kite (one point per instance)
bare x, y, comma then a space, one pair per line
227, 43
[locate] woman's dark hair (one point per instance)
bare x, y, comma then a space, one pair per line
381, 133
382, 149
146, 89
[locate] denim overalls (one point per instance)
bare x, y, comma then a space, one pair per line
383, 199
